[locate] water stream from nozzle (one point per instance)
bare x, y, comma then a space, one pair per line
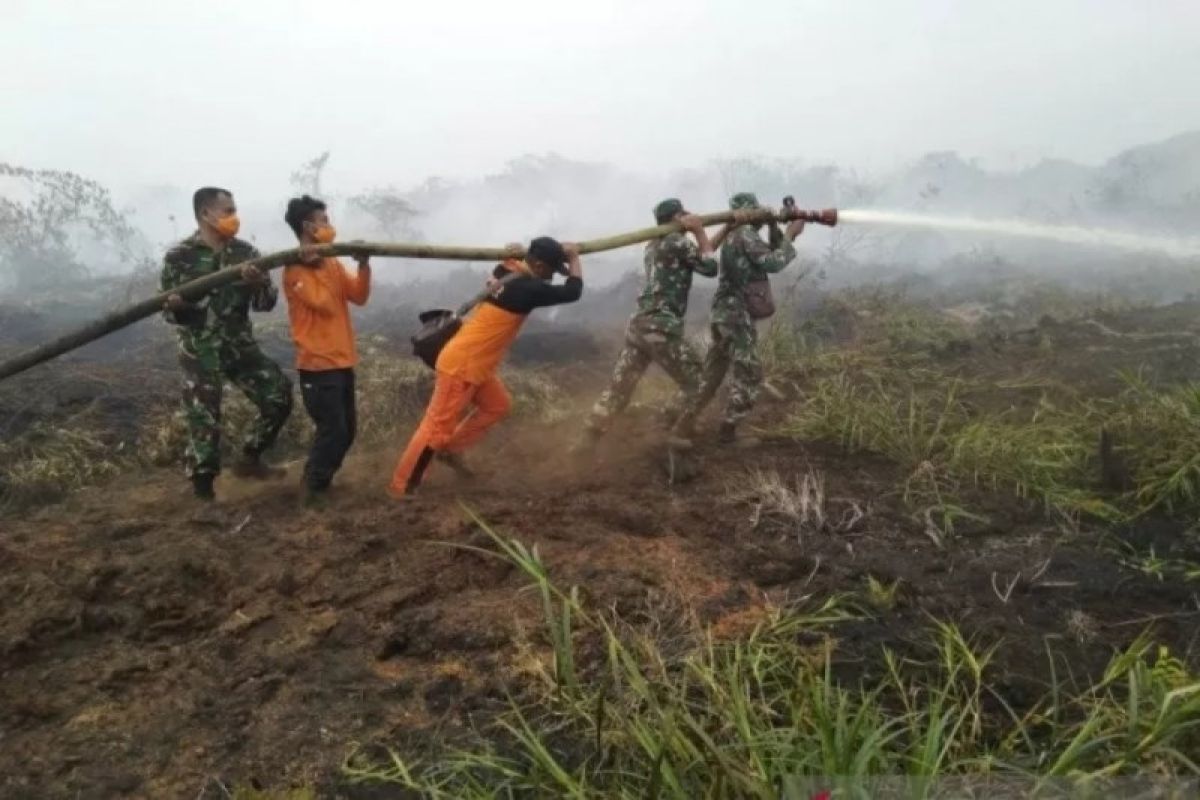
1068, 234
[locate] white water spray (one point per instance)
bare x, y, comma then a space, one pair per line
1069, 234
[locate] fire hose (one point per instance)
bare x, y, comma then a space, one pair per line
194, 290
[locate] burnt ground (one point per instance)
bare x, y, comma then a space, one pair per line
149, 648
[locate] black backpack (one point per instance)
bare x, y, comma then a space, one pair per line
439, 325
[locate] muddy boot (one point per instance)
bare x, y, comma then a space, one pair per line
681, 466
414, 480
207, 512
202, 487
316, 499
681, 436
456, 462
251, 466
728, 435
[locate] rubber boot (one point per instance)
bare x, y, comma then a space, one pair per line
202, 487
728, 435
681, 466
681, 435
316, 499
414, 482
208, 512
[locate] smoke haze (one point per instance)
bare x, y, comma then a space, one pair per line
1015, 108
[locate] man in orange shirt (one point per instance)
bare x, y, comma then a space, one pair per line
466, 367
318, 292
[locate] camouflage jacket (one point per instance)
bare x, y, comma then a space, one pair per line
670, 262
745, 257
223, 316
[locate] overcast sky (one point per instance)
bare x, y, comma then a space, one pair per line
139, 92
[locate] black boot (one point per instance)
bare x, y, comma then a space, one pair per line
202, 486
728, 435
681, 435
316, 499
414, 481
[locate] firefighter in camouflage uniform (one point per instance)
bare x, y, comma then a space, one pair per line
655, 333
216, 343
745, 258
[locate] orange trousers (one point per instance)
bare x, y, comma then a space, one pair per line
448, 426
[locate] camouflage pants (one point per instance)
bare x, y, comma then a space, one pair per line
674, 354
260, 379
733, 343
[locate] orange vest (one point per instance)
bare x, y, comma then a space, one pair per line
320, 317
477, 349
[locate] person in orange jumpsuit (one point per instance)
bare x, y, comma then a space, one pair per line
468, 397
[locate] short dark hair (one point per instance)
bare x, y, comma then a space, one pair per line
547, 251
299, 210
205, 196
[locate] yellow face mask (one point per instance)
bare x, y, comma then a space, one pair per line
227, 226
324, 234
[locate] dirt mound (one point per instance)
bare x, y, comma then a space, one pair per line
149, 647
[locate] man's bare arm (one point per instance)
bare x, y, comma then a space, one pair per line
695, 226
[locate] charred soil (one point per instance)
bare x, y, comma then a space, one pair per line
150, 646
153, 647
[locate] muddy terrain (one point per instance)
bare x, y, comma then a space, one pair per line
152, 647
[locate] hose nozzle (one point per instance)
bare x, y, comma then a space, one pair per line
826, 216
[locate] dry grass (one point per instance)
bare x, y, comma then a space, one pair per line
766, 716
44, 464
794, 508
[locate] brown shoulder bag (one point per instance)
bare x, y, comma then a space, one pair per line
760, 304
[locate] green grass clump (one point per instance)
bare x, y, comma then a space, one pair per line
782, 344
1033, 438
929, 429
1157, 433
618, 715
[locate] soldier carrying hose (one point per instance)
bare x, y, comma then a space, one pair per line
655, 333
216, 343
746, 261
